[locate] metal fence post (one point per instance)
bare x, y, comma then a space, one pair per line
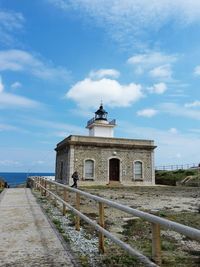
77, 220
156, 243
102, 224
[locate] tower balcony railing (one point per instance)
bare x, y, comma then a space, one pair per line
113, 122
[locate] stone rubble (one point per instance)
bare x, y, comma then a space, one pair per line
79, 242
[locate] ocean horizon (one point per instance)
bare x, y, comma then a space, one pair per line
16, 178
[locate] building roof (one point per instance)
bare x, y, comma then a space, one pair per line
77, 140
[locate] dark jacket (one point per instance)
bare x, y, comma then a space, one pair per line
75, 176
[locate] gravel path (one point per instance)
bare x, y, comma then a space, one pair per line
26, 236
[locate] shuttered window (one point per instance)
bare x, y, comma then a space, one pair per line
89, 169
138, 170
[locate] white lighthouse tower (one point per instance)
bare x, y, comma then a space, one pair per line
99, 125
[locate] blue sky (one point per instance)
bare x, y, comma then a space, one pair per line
60, 58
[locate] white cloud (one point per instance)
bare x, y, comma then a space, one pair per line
11, 128
197, 70
193, 104
104, 73
129, 20
16, 85
158, 88
151, 59
169, 145
56, 128
195, 131
7, 162
22, 61
161, 72
7, 127
10, 22
158, 65
38, 162
1, 85
149, 112
88, 93
173, 130
178, 155
179, 111
25, 156
12, 100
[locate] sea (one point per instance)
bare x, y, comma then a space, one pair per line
16, 178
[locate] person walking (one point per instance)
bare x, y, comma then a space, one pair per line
75, 179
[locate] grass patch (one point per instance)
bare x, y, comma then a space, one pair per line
191, 219
66, 238
172, 177
138, 234
58, 225
84, 260
116, 257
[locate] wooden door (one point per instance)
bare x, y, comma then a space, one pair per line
114, 169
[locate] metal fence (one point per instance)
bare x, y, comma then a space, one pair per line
177, 167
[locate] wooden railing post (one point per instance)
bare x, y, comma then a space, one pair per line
102, 224
49, 190
156, 243
41, 189
45, 185
38, 183
56, 187
36, 180
77, 221
65, 198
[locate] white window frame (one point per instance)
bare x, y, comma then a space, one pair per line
142, 176
92, 177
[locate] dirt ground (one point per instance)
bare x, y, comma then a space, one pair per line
151, 199
180, 204
158, 197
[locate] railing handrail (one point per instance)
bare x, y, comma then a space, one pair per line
156, 221
180, 228
127, 247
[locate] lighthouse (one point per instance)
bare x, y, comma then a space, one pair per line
99, 125
102, 159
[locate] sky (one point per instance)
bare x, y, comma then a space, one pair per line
60, 58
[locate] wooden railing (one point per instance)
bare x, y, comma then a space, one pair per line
45, 186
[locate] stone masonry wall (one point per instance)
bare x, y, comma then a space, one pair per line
62, 156
101, 158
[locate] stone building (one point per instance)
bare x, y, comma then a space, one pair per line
101, 159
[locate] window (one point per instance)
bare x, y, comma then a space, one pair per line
89, 169
138, 175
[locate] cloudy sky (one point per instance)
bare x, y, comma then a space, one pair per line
60, 58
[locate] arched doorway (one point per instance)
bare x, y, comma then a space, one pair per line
114, 169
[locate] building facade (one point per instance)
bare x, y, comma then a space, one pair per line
101, 159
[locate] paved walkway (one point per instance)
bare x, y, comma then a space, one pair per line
26, 237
